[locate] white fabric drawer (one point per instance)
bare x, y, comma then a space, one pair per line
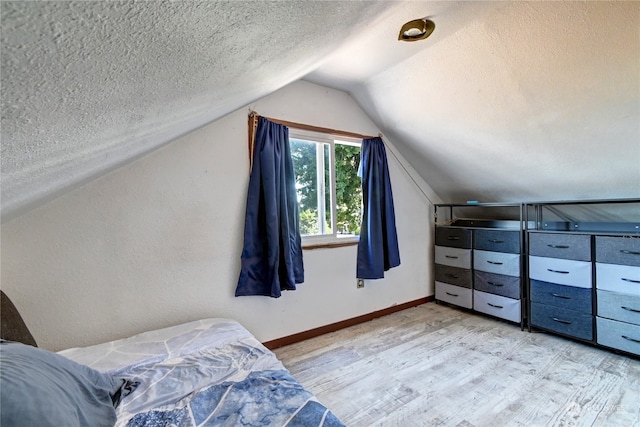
456, 295
454, 257
561, 271
496, 305
618, 278
497, 262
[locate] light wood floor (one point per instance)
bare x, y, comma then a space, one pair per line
434, 365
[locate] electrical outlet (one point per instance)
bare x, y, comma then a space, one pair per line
360, 283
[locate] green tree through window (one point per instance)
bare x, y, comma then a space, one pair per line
312, 162
348, 189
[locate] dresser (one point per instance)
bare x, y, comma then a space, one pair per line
453, 277
617, 266
478, 262
560, 284
584, 276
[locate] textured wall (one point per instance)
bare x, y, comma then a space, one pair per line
158, 241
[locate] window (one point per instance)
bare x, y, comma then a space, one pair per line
328, 186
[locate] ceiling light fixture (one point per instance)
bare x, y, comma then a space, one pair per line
418, 29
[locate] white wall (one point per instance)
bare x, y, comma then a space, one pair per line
158, 242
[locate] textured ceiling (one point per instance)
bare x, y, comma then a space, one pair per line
510, 101
88, 86
505, 101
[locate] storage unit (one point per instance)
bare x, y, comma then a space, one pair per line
560, 287
453, 266
584, 275
618, 292
478, 262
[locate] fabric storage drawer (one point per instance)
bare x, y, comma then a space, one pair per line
618, 278
453, 237
497, 241
454, 257
454, 294
499, 284
618, 250
623, 307
571, 297
454, 275
563, 271
564, 321
560, 245
620, 335
497, 262
496, 305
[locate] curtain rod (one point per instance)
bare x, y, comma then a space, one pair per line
315, 128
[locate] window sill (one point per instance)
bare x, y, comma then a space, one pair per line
325, 245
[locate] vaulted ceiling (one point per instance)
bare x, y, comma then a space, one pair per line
505, 101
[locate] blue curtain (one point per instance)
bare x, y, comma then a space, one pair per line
272, 253
378, 247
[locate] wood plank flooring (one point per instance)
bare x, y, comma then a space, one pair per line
434, 365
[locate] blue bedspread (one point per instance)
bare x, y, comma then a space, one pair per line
264, 398
207, 373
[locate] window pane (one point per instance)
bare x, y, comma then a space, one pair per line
310, 161
348, 189
327, 188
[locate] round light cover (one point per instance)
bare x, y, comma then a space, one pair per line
418, 29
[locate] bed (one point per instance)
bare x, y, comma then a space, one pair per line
209, 372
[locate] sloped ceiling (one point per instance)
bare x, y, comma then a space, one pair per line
505, 101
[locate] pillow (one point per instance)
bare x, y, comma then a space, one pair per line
12, 327
41, 388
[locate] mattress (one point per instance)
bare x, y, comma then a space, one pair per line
209, 372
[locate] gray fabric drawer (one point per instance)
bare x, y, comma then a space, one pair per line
462, 297
561, 320
499, 284
622, 307
560, 245
453, 237
620, 335
618, 250
497, 241
562, 296
453, 275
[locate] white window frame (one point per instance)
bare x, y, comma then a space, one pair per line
331, 140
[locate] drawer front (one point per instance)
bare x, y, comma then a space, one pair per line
453, 237
615, 306
618, 278
456, 295
497, 262
566, 246
618, 250
561, 296
497, 241
454, 257
496, 305
568, 322
499, 284
562, 271
453, 275
620, 335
